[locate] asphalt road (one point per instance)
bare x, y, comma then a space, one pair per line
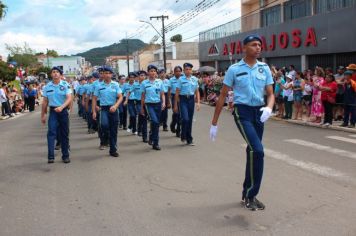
309, 185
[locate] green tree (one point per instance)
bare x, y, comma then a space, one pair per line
23, 55
7, 73
176, 38
43, 69
52, 53
3, 10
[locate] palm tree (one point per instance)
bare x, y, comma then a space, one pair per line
3, 9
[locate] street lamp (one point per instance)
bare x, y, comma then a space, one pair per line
162, 35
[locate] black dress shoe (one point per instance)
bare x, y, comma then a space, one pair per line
173, 129
156, 147
50, 161
114, 154
57, 147
144, 140
178, 135
165, 129
150, 142
66, 160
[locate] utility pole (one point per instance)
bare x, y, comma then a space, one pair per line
163, 37
127, 55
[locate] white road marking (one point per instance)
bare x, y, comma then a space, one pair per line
349, 140
316, 146
308, 166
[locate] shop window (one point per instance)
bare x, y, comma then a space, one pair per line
271, 16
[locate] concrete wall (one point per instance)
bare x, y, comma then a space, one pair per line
187, 50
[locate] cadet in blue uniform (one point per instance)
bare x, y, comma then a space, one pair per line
58, 97
80, 94
123, 108
173, 82
110, 96
142, 120
92, 124
187, 90
249, 79
154, 100
130, 102
164, 115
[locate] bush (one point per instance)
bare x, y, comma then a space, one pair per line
7, 73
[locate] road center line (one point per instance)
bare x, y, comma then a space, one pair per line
349, 140
329, 149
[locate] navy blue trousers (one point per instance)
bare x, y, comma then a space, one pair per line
109, 124
58, 122
164, 113
154, 113
175, 116
131, 105
248, 122
123, 115
187, 105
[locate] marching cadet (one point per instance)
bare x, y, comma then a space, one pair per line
92, 124
130, 102
123, 108
58, 97
142, 120
110, 96
164, 115
104, 140
79, 94
152, 103
85, 98
186, 91
249, 79
176, 123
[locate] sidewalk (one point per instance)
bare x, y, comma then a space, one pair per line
305, 122
334, 126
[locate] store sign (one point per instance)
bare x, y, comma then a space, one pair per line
213, 50
282, 41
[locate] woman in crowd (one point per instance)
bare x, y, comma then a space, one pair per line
278, 93
307, 96
328, 95
317, 107
32, 95
288, 96
206, 83
298, 88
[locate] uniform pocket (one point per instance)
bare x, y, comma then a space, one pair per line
261, 80
242, 81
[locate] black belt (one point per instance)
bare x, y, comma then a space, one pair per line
53, 108
152, 103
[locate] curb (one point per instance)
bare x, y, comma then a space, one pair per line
305, 123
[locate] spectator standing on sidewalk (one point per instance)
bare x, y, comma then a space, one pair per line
328, 96
278, 93
307, 96
5, 109
349, 100
352, 68
317, 106
32, 95
288, 97
298, 88
339, 100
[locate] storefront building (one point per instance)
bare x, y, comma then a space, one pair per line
299, 32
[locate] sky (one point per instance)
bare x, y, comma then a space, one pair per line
73, 26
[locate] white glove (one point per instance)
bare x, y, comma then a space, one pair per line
213, 132
266, 114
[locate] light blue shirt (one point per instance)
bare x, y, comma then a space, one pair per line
130, 89
187, 86
125, 88
95, 85
136, 90
56, 93
90, 90
86, 88
173, 82
152, 90
248, 83
81, 89
108, 93
165, 85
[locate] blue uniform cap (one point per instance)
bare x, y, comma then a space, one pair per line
161, 71
142, 72
251, 38
95, 75
107, 68
348, 72
178, 67
187, 64
150, 67
58, 69
132, 74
